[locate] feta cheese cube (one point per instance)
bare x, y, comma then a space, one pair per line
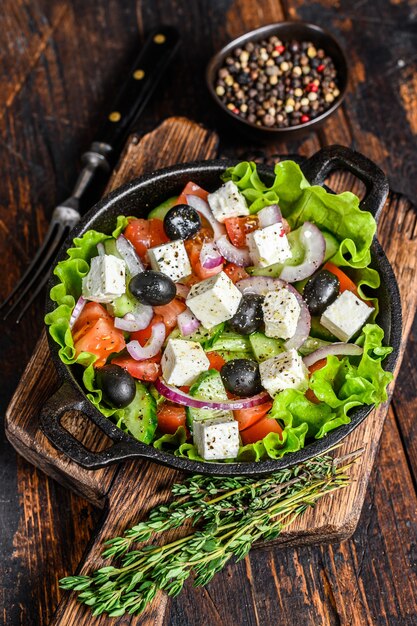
214, 300
106, 279
268, 245
345, 316
183, 361
285, 371
281, 313
217, 439
170, 259
227, 202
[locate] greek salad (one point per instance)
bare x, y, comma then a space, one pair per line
235, 324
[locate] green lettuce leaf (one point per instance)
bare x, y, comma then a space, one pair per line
171, 443
338, 214
274, 446
66, 292
343, 385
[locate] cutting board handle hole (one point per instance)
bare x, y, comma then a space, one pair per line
85, 431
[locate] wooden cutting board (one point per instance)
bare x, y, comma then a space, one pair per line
128, 490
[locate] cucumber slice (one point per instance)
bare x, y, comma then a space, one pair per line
312, 344
318, 331
122, 305
208, 386
110, 247
332, 246
229, 356
162, 209
264, 347
140, 415
203, 336
231, 342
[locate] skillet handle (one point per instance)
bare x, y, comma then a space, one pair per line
68, 399
330, 158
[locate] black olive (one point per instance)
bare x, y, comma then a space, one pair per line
182, 222
241, 377
320, 291
153, 288
117, 385
248, 318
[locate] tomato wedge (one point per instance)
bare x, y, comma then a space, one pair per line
234, 272
91, 312
170, 418
309, 394
248, 417
148, 370
101, 338
156, 232
191, 189
144, 335
238, 227
346, 284
169, 313
259, 430
216, 360
139, 234
193, 247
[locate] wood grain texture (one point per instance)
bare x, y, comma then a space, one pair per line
59, 90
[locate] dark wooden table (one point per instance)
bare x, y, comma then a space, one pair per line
59, 64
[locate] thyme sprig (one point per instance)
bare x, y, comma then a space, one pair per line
229, 516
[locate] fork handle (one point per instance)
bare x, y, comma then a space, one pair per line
140, 83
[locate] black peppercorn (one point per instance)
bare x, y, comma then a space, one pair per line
277, 83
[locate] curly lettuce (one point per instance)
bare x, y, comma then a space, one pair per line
70, 273
299, 201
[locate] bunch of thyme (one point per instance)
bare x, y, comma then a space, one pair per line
229, 515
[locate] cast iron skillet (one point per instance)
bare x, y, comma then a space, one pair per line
138, 198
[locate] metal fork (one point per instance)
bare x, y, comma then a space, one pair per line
64, 217
142, 79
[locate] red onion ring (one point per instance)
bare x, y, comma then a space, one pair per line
315, 248
129, 255
179, 397
260, 285
304, 322
138, 319
201, 206
209, 256
238, 256
76, 312
187, 323
269, 215
347, 349
152, 347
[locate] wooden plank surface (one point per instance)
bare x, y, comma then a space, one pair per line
64, 59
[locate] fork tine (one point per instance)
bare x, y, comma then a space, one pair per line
50, 253
29, 269
34, 295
